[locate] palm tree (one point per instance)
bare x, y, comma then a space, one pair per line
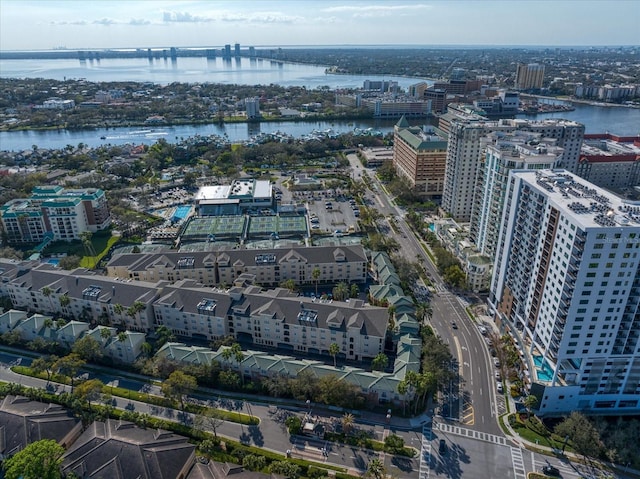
347, 422
334, 349
105, 333
530, 402
46, 292
315, 274
376, 469
403, 388
90, 251
391, 325
380, 362
238, 355
341, 291
64, 303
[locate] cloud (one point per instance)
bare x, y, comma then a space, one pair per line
105, 21
377, 10
229, 17
66, 22
184, 17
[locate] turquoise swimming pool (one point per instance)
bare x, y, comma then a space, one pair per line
543, 370
181, 212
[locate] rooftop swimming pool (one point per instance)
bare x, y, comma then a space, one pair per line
543, 370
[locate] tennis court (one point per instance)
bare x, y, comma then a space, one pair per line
212, 227
266, 226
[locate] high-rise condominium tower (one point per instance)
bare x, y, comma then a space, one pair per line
566, 284
465, 154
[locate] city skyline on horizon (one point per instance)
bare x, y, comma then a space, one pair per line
40, 25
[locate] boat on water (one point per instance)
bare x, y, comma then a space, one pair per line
103, 137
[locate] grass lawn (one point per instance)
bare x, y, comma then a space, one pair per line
550, 440
92, 261
101, 241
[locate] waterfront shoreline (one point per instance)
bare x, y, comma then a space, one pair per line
579, 101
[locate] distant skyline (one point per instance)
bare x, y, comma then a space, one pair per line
77, 24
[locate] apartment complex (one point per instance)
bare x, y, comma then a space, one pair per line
265, 267
610, 161
465, 153
274, 318
505, 152
80, 294
566, 282
56, 213
420, 156
529, 77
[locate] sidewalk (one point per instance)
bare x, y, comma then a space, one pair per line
550, 451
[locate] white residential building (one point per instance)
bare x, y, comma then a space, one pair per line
566, 283
465, 153
505, 152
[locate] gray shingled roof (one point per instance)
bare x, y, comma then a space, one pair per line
315, 254
120, 449
75, 282
280, 304
23, 421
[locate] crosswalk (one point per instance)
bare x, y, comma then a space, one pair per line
461, 431
517, 460
425, 453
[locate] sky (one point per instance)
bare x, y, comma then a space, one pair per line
86, 24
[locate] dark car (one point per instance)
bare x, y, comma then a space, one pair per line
442, 448
551, 471
454, 325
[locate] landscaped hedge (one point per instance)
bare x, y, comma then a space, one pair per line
230, 416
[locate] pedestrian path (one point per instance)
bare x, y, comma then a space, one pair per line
461, 431
517, 460
425, 453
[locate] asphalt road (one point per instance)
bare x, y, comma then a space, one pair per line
474, 400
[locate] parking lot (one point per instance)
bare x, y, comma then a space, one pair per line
333, 215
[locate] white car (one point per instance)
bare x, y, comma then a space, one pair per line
499, 387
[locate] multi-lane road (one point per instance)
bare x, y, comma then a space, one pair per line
467, 416
473, 401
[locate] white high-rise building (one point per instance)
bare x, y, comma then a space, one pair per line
566, 284
505, 152
465, 152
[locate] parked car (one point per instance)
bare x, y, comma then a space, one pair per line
496, 362
499, 387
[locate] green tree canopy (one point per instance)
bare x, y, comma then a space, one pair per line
583, 435
178, 385
39, 460
380, 362
87, 348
